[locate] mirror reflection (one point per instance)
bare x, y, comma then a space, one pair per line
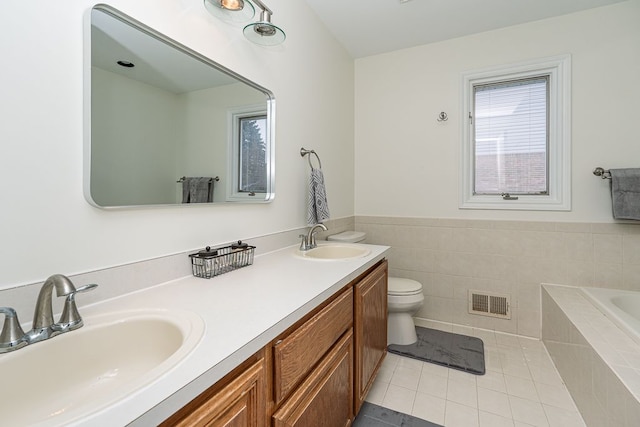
169, 126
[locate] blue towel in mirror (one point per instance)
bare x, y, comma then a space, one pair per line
625, 193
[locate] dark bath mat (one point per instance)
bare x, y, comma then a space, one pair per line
445, 348
371, 415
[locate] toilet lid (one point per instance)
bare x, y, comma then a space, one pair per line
348, 236
399, 286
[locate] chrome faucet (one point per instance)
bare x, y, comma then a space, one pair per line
309, 240
13, 337
43, 325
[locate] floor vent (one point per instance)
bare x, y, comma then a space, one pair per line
485, 304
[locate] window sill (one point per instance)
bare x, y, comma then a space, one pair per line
524, 203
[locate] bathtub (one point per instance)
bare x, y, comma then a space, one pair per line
592, 337
621, 307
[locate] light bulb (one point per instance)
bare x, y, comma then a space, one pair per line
232, 4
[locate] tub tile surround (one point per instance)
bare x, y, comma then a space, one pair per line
451, 256
598, 362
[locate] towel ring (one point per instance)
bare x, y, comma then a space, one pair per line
304, 152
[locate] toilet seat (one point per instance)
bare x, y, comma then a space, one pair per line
399, 287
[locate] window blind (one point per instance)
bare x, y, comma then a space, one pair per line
510, 126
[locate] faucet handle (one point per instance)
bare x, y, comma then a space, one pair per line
70, 318
304, 244
12, 336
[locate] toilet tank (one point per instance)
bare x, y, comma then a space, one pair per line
349, 237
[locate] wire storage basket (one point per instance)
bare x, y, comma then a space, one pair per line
212, 262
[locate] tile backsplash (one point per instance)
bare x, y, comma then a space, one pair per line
448, 256
451, 256
123, 279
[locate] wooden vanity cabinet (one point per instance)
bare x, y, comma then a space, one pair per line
370, 326
238, 400
315, 374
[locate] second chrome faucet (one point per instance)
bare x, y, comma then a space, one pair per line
44, 327
309, 239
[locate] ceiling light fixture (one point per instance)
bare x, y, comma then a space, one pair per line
264, 32
234, 11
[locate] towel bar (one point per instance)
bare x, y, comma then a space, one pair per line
602, 173
217, 178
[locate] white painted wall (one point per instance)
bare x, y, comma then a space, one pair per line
408, 163
47, 227
134, 143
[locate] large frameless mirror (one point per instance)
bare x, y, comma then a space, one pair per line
166, 125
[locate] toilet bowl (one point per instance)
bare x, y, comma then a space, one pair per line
404, 298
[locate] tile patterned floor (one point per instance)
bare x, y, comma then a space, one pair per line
521, 387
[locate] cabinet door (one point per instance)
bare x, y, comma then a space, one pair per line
370, 329
297, 353
240, 403
325, 398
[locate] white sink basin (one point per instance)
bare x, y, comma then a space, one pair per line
334, 251
80, 372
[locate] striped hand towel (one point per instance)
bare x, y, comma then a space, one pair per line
318, 208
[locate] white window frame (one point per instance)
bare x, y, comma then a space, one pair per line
233, 164
558, 69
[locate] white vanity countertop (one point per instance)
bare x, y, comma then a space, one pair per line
243, 311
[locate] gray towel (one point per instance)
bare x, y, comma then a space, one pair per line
197, 190
625, 193
318, 208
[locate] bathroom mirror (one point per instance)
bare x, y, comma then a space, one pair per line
166, 125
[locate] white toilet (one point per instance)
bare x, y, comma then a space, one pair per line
404, 299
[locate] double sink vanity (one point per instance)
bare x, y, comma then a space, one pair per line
293, 340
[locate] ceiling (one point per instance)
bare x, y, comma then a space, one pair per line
156, 63
370, 27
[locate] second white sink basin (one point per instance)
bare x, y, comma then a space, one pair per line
70, 376
334, 251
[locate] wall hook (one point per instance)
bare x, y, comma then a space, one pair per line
442, 117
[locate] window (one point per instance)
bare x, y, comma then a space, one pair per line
516, 137
248, 154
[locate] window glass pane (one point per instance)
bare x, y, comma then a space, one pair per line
253, 161
511, 137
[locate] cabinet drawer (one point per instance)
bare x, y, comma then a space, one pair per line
325, 397
295, 355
